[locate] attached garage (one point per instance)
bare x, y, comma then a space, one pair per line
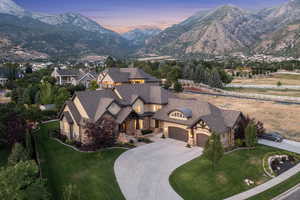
201, 139
178, 134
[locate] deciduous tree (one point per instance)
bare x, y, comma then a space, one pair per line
213, 149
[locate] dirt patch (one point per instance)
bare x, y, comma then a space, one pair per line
221, 178
275, 116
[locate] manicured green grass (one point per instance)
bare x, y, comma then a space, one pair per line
4, 153
91, 173
278, 189
197, 179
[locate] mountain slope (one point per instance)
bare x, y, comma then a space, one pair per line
221, 31
60, 36
139, 36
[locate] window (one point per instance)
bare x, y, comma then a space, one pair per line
114, 109
177, 115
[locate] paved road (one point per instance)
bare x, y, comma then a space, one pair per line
291, 87
292, 194
285, 145
143, 173
295, 195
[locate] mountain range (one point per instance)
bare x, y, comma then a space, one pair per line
222, 31
229, 29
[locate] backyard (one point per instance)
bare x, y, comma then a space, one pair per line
285, 79
283, 118
91, 174
197, 178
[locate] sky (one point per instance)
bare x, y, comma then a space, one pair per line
124, 15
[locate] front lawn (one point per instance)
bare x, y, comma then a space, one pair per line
197, 179
91, 173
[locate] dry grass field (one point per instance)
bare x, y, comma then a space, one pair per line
285, 79
275, 116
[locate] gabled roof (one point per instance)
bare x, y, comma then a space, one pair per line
67, 72
150, 94
3, 72
97, 102
217, 119
124, 75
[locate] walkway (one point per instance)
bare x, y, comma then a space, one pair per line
143, 172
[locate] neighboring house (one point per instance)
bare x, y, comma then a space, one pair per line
112, 77
137, 107
74, 77
65, 76
85, 78
3, 76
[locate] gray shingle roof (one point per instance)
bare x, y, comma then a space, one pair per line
67, 72
3, 72
68, 117
126, 74
150, 94
75, 113
218, 120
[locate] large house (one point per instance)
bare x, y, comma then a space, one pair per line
74, 77
137, 107
119, 76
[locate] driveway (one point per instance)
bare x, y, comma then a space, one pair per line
285, 145
143, 173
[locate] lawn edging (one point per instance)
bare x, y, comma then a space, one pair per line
76, 149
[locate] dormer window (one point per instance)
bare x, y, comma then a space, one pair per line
114, 109
181, 114
177, 115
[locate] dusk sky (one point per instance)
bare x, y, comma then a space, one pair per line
121, 15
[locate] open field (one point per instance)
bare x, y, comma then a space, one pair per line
288, 93
91, 173
226, 180
285, 79
275, 116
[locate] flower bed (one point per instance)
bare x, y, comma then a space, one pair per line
275, 163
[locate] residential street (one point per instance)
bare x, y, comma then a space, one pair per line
292, 194
143, 172
285, 145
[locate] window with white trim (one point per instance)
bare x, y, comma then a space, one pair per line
177, 115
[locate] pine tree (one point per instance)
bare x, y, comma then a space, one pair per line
215, 79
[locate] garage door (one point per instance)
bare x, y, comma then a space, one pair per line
201, 139
178, 134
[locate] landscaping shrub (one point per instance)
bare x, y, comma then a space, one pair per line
239, 143
146, 132
188, 146
48, 114
163, 136
145, 140
18, 153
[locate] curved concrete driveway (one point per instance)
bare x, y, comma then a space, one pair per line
143, 172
